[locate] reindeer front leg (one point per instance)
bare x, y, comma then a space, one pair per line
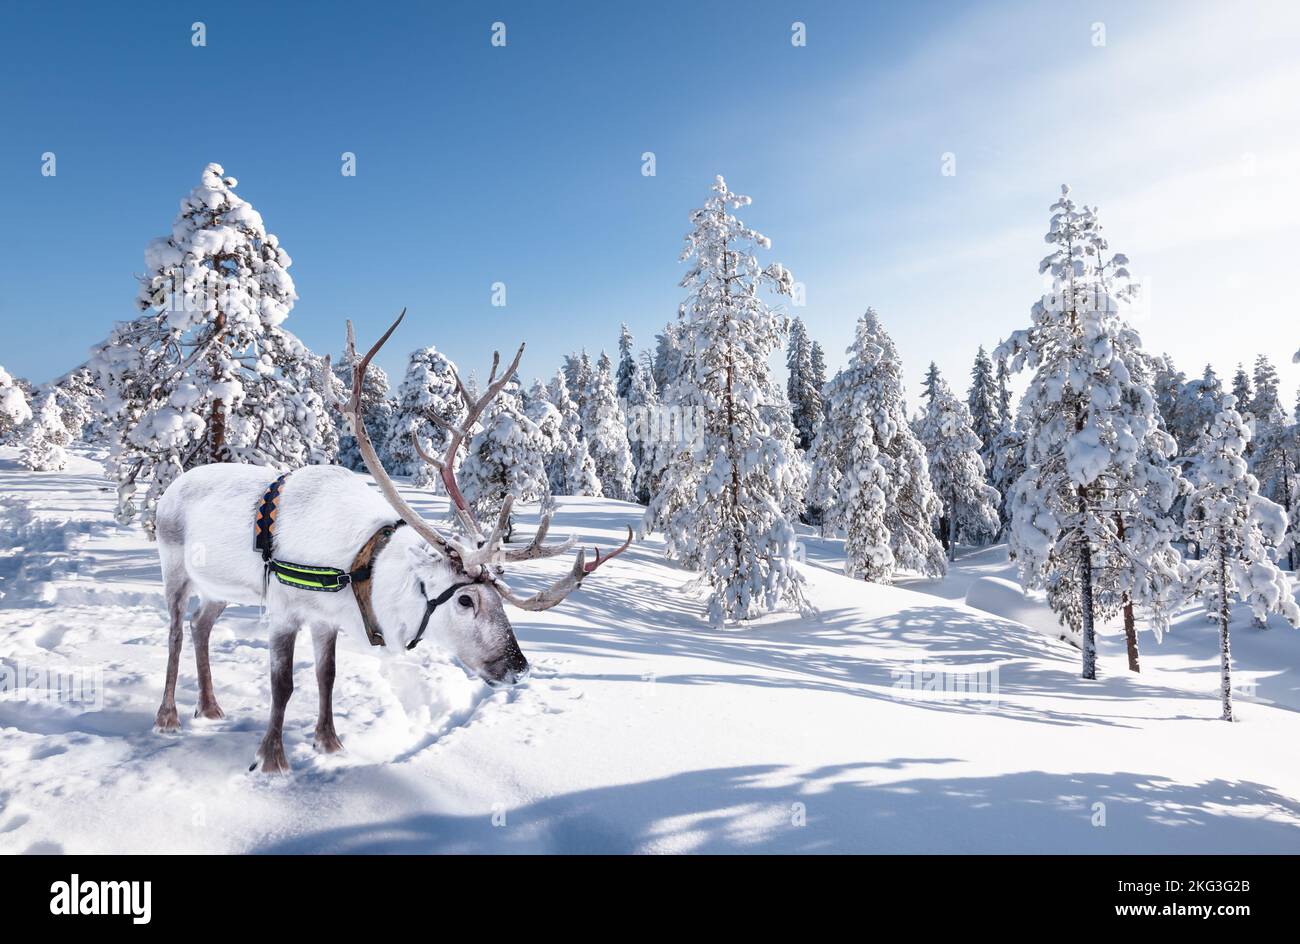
271, 753
325, 641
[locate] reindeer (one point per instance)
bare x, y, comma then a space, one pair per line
396, 580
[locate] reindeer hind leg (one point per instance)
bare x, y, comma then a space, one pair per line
177, 589
205, 617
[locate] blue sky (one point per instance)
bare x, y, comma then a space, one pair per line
523, 164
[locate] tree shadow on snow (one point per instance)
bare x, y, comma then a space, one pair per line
845, 808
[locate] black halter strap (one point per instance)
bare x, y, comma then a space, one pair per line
433, 604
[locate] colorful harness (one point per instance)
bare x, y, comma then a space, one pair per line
329, 579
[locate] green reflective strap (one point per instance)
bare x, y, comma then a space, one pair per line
308, 578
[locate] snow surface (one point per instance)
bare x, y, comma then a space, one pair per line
642, 729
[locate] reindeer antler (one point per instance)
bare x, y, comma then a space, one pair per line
556, 592
474, 560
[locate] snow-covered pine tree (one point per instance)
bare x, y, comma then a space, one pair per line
1005, 410
866, 425
376, 408
427, 391
985, 415
505, 457
970, 504
930, 385
802, 389
1267, 404
570, 469
626, 364
207, 373
15, 410
819, 370
719, 501
605, 430
45, 437
80, 402
1088, 415
1239, 530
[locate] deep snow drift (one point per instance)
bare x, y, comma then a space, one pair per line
642, 729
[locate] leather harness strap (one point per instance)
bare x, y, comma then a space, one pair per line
329, 579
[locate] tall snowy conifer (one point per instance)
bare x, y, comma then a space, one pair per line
376, 407
1090, 423
207, 373
869, 470
605, 431
507, 456
802, 390
569, 467
427, 391
719, 502
985, 413
626, 364
1238, 530
970, 504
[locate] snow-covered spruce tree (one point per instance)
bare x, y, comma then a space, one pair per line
15, 410
1239, 530
867, 424
570, 469
626, 364
505, 457
546, 418
427, 391
719, 501
1093, 437
207, 373
45, 437
80, 402
605, 430
985, 412
376, 407
802, 389
970, 504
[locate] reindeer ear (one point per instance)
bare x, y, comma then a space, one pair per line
423, 554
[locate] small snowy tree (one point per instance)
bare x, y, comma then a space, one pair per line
867, 396
569, 468
719, 500
605, 430
970, 504
427, 391
1239, 531
802, 388
207, 373
15, 410
505, 457
45, 437
642, 412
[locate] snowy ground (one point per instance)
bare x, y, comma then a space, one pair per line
642, 729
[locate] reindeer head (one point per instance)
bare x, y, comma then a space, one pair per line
450, 588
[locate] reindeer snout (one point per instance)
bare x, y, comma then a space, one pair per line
511, 669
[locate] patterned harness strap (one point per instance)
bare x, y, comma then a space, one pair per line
325, 579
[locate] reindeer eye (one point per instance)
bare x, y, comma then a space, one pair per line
465, 601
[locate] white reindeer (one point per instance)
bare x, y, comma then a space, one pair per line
399, 584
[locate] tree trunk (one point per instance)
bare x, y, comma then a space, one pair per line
217, 420
952, 537
1130, 634
1089, 627
1130, 622
1225, 654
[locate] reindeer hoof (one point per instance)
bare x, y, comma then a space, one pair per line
272, 758
167, 722
328, 743
212, 712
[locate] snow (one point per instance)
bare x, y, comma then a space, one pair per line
642, 728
